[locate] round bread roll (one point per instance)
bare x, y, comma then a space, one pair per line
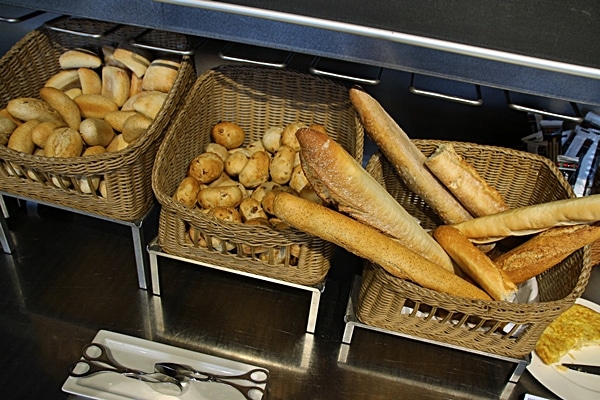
64, 142
96, 132
7, 126
20, 140
90, 81
95, 105
256, 170
217, 149
28, 108
93, 150
271, 139
66, 107
282, 165
161, 75
220, 196
115, 84
135, 127
235, 163
64, 80
187, 192
43, 130
78, 58
206, 167
288, 136
251, 209
228, 134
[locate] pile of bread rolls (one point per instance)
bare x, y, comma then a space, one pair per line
365, 220
236, 182
94, 104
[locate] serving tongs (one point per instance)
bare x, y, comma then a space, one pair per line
185, 373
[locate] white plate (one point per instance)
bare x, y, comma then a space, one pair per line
142, 354
568, 384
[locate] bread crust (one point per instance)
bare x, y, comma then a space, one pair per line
367, 242
465, 183
338, 177
406, 158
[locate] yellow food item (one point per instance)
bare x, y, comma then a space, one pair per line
577, 327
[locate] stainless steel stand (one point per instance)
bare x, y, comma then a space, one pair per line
155, 250
136, 226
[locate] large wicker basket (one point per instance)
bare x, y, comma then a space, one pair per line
24, 70
257, 99
501, 328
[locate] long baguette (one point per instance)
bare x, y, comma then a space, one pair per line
367, 242
475, 263
532, 219
336, 176
545, 250
463, 180
406, 157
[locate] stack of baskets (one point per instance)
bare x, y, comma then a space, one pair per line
27, 66
257, 99
501, 328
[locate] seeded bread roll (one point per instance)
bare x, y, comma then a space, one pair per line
338, 177
407, 159
369, 243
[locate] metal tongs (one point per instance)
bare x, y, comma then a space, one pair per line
185, 373
97, 359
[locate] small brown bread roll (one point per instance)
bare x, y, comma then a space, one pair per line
28, 108
187, 192
94, 150
235, 163
282, 165
117, 119
135, 127
115, 84
217, 149
252, 209
161, 75
43, 130
465, 183
21, 140
229, 214
136, 61
90, 81
298, 179
66, 107
255, 146
64, 142
228, 134
7, 125
475, 263
64, 80
118, 143
220, 196
288, 136
95, 105
271, 139
206, 167
150, 104
96, 132
260, 192
79, 58
256, 170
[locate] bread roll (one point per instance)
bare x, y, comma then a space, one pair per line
545, 250
43, 130
463, 180
64, 80
96, 132
338, 177
135, 127
367, 242
64, 142
28, 108
406, 158
115, 84
532, 219
118, 143
79, 58
117, 119
150, 104
90, 81
136, 85
136, 61
95, 105
66, 107
475, 263
21, 139
161, 75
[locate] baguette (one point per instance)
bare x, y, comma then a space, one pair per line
338, 177
545, 250
475, 263
532, 219
367, 242
465, 183
407, 159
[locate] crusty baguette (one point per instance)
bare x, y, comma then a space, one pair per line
338, 177
463, 180
367, 242
406, 158
532, 219
475, 263
545, 250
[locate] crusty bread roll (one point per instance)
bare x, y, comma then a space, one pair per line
135, 126
90, 81
475, 263
64, 80
29, 108
21, 140
338, 177
463, 180
115, 84
406, 158
136, 61
150, 103
532, 219
161, 75
96, 132
40, 133
545, 250
79, 58
116, 119
64, 142
95, 105
61, 102
369, 243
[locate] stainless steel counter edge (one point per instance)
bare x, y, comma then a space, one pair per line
348, 42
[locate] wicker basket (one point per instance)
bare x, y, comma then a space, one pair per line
24, 70
501, 328
256, 98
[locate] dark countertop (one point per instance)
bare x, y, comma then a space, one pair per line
73, 275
